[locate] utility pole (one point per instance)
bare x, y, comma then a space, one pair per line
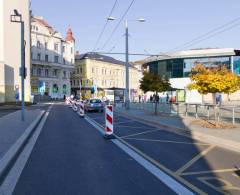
127, 102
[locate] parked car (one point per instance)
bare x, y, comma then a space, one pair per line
94, 105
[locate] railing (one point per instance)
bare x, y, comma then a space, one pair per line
203, 111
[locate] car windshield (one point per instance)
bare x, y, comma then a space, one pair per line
95, 101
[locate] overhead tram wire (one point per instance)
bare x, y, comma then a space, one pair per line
213, 35
104, 27
205, 34
116, 27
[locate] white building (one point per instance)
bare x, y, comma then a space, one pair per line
52, 59
10, 47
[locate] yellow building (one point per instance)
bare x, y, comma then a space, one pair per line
105, 74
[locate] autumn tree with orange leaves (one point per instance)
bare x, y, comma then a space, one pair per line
213, 80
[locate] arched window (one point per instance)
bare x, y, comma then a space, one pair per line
55, 88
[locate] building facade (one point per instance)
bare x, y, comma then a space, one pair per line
52, 60
105, 74
10, 50
178, 65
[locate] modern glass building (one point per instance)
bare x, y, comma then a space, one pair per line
179, 64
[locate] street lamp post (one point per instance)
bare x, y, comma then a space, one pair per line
127, 102
18, 19
127, 99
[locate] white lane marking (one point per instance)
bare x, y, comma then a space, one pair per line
13, 176
163, 177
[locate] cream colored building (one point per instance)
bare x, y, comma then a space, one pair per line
103, 72
10, 47
52, 59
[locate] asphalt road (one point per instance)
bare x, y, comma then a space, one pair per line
202, 167
71, 157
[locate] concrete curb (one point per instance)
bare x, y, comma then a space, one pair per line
223, 143
11, 155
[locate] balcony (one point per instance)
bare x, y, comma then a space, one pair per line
51, 63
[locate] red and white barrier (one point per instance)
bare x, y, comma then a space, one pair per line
109, 120
67, 100
81, 109
74, 106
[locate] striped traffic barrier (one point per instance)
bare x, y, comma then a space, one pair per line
67, 101
81, 109
109, 121
74, 106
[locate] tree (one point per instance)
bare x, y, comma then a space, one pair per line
213, 80
155, 83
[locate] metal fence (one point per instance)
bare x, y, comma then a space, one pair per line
204, 111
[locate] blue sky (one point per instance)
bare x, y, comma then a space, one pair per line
169, 23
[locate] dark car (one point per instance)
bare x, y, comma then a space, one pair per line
94, 105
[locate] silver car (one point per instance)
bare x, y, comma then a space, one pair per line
94, 105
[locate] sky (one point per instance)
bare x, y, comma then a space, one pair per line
169, 23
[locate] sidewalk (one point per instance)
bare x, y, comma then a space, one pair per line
227, 138
14, 133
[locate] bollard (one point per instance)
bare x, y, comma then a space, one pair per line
109, 122
208, 113
233, 116
196, 114
186, 110
81, 111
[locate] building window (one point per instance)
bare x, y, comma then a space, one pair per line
39, 71
64, 61
78, 82
77, 70
64, 74
74, 82
46, 58
39, 56
81, 70
46, 72
92, 70
71, 61
71, 83
55, 72
63, 49
102, 71
46, 45
36, 28
38, 44
56, 47
71, 50
32, 55
56, 59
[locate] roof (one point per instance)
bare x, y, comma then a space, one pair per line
69, 36
194, 53
99, 57
43, 22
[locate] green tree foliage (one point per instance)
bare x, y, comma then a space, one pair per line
154, 83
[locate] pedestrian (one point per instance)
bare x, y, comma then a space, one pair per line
167, 98
151, 98
157, 98
139, 98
